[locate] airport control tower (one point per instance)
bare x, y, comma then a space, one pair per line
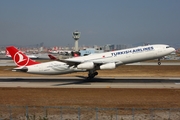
76, 36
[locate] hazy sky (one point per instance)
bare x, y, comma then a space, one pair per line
131, 22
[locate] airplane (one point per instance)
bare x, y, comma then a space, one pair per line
2, 52
52, 57
32, 56
90, 63
54, 51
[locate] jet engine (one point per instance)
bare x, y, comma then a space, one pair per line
108, 66
86, 65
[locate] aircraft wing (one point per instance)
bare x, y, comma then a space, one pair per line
70, 62
96, 61
52, 57
103, 61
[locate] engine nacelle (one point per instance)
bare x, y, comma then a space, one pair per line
86, 65
108, 66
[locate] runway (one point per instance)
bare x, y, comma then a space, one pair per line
81, 82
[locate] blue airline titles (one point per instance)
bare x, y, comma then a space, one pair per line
132, 51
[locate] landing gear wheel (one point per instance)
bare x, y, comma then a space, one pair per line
159, 62
96, 73
92, 75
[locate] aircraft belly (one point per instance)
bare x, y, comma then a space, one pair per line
162, 53
52, 71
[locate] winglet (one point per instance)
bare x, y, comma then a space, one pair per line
20, 59
52, 57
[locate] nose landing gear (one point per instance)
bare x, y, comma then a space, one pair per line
159, 62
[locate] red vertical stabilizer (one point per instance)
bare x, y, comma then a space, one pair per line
20, 59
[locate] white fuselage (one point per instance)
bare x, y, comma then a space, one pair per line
118, 57
130, 55
53, 67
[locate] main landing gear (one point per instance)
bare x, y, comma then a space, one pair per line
159, 62
91, 74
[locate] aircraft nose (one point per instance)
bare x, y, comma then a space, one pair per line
173, 49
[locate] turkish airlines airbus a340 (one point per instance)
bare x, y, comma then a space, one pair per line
90, 63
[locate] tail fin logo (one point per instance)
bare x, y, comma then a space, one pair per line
20, 59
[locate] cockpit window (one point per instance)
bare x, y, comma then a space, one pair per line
167, 47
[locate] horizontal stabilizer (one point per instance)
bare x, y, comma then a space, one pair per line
22, 69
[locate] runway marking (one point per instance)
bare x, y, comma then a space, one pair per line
174, 78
